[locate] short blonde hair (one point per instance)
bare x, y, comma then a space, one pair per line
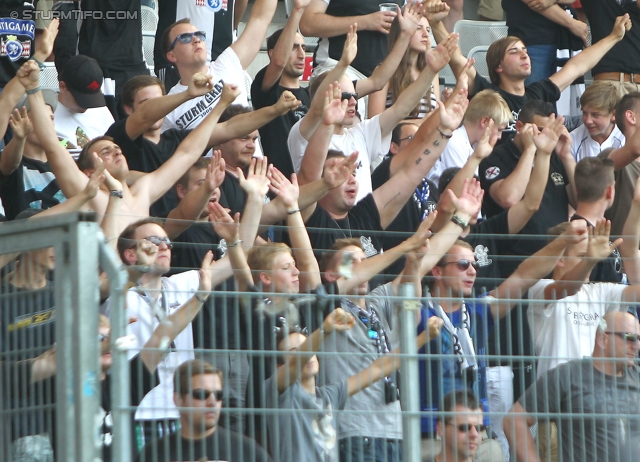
488, 103
602, 95
260, 258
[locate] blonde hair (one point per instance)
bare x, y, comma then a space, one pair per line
602, 95
488, 103
261, 258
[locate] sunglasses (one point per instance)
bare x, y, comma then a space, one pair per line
202, 394
187, 37
406, 138
347, 95
466, 428
463, 265
159, 240
628, 336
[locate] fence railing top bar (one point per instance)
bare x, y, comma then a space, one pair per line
53, 221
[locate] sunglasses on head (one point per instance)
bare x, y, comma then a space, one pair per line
628, 336
187, 37
466, 428
202, 394
463, 265
346, 95
159, 240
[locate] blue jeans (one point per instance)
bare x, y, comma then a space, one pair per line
543, 62
366, 449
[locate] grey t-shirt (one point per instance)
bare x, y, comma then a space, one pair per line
603, 411
367, 413
308, 432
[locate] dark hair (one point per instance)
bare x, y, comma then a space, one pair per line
185, 371
232, 111
535, 107
165, 41
85, 160
462, 398
397, 131
628, 102
592, 177
134, 84
272, 40
201, 163
126, 240
495, 55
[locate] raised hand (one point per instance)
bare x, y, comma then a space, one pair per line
215, 171
575, 233
409, 19
350, 49
47, 39
146, 253
462, 79
563, 148
547, 139
621, 26
527, 133
226, 227
337, 171
337, 321
470, 200
421, 237
229, 93
286, 102
452, 111
29, 75
435, 11
300, 4
487, 142
256, 181
599, 246
200, 85
96, 179
20, 123
335, 107
205, 272
287, 191
439, 56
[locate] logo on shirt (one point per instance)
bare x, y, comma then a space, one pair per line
368, 247
217, 5
491, 173
222, 247
482, 255
14, 49
557, 178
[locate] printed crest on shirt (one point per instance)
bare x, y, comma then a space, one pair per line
557, 178
492, 172
217, 5
482, 255
14, 49
368, 247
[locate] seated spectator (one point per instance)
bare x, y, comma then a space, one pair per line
504, 175
583, 393
198, 395
185, 48
82, 114
598, 130
293, 387
486, 107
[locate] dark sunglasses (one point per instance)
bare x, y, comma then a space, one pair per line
628, 336
159, 240
466, 428
463, 265
348, 96
202, 394
187, 37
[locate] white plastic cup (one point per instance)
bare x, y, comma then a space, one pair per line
388, 7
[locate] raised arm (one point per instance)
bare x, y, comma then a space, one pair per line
563, 150
12, 153
248, 44
589, 57
316, 22
558, 15
631, 244
256, 185
534, 268
517, 428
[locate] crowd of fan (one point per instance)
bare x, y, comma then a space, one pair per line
267, 233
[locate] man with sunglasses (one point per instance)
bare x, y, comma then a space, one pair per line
198, 395
596, 400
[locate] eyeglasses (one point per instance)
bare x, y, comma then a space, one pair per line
406, 138
347, 95
202, 394
463, 265
628, 336
187, 37
466, 428
159, 240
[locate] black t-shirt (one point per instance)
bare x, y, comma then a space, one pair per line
530, 27
420, 204
146, 156
602, 15
233, 196
17, 36
31, 185
223, 445
111, 33
273, 136
544, 90
553, 208
362, 221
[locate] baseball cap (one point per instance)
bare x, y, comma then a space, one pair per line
83, 78
50, 99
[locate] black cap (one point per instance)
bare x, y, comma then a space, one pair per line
83, 78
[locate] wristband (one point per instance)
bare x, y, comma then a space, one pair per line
459, 221
234, 244
201, 298
33, 90
292, 212
442, 134
117, 193
39, 63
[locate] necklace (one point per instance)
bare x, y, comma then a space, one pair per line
340, 227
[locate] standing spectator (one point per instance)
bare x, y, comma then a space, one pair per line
17, 37
82, 114
584, 392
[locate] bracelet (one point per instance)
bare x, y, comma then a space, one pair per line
39, 63
442, 134
33, 90
117, 193
292, 212
200, 298
459, 221
234, 244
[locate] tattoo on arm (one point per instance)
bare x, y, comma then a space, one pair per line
418, 160
426, 152
436, 143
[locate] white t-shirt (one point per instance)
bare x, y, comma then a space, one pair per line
565, 329
178, 289
455, 154
582, 145
365, 137
80, 128
226, 69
